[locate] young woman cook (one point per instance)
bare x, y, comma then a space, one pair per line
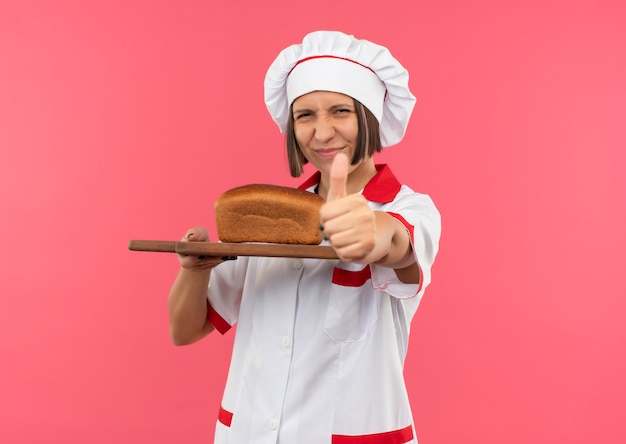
320, 344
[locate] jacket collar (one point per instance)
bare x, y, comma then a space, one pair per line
381, 188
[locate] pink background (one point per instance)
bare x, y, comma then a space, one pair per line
124, 120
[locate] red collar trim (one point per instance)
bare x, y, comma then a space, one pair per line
313, 180
381, 188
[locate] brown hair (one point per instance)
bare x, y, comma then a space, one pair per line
368, 139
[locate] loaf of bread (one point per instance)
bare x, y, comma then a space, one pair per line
268, 213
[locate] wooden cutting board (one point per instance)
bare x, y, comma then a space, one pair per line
234, 249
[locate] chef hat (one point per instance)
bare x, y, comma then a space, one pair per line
334, 61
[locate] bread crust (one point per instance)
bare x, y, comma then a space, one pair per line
268, 213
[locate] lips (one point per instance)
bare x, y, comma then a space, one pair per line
328, 152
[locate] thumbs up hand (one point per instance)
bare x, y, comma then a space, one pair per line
349, 223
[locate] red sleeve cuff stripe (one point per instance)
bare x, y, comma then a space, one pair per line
347, 278
411, 229
401, 436
217, 321
225, 417
404, 222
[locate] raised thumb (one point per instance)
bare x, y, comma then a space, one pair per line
338, 177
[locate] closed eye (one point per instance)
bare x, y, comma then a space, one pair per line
343, 112
302, 115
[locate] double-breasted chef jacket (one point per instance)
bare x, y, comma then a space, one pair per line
320, 344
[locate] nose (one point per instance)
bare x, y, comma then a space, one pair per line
324, 130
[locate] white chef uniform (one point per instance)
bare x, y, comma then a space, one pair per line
320, 344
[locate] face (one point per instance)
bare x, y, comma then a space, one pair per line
325, 123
